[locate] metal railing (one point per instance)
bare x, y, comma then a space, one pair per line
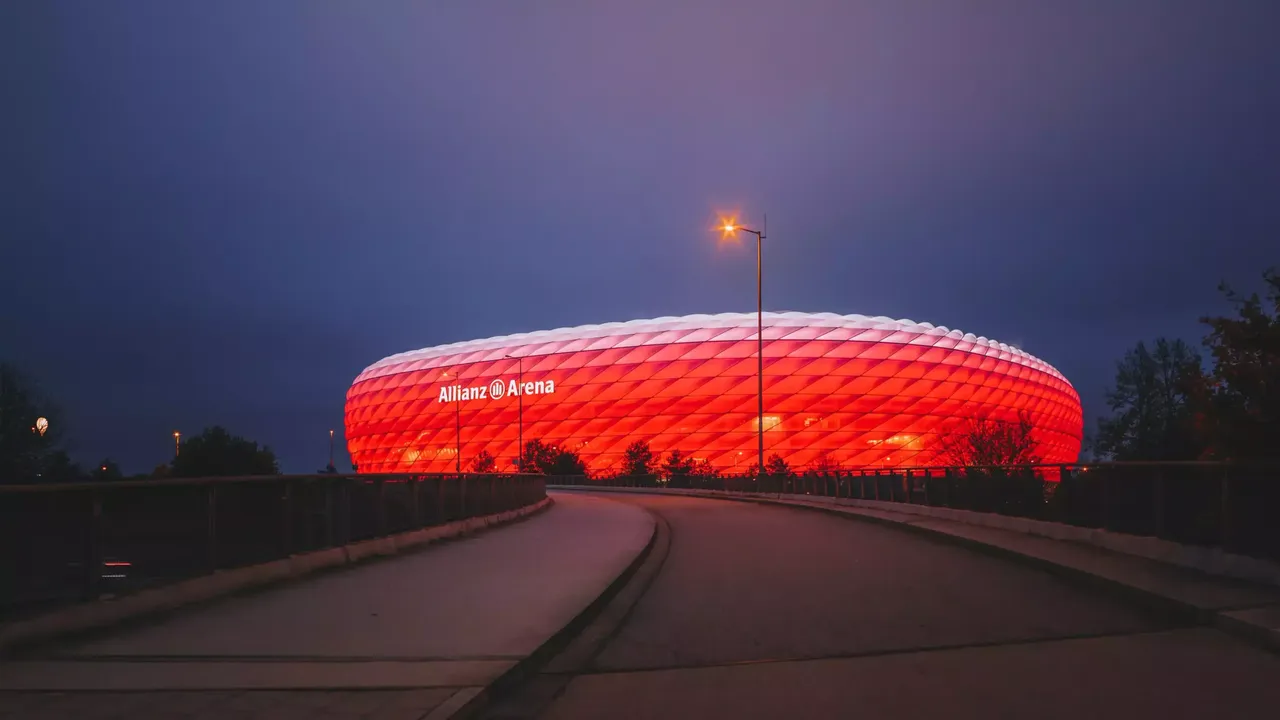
1235, 507
68, 542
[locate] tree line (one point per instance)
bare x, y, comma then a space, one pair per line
1170, 403
32, 436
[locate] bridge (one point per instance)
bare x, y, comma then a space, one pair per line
500, 597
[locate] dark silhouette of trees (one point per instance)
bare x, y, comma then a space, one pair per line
986, 441
107, 471
824, 464
776, 466
1237, 403
678, 464
637, 460
484, 462
217, 453
543, 459
1152, 413
537, 457
26, 454
567, 463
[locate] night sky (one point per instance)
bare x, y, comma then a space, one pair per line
220, 212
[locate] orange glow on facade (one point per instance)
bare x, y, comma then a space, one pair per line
840, 390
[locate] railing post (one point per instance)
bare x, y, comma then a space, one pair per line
877, 487
1227, 535
415, 500
908, 485
380, 508
330, 531
343, 512
93, 547
462, 496
211, 526
1157, 510
925, 485
1105, 492
286, 524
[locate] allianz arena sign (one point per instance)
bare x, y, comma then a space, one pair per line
496, 390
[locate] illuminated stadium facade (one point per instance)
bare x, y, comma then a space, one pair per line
844, 391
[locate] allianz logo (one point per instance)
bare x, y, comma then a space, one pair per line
496, 390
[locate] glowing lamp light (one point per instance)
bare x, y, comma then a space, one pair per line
42, 425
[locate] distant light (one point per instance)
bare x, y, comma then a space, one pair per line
729, 228
42, 425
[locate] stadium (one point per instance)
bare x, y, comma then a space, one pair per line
840, 391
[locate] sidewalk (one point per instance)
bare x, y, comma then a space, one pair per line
1251, 611
445, 622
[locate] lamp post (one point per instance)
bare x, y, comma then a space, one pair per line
520, 398
177, 442
331, 449
729, 228
457, 427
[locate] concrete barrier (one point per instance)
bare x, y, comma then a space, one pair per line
109, 611
368, 548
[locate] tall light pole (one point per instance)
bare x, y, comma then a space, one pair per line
330, 448
520, 397
177, 442
457, 426
729, 228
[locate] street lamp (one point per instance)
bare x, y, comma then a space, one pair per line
520, 397
729, 228
177, 440
41, 426
330, 448
457, 427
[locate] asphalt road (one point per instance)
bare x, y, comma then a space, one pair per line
766, 612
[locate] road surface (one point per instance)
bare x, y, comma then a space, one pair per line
768, 612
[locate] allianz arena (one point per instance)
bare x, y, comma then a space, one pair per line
847, 391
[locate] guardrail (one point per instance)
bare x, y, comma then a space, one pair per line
1235, 507
69, 542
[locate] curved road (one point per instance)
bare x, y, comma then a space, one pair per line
761, 611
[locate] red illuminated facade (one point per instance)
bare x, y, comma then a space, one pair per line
840, 390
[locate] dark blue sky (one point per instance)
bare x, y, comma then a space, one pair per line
221, 212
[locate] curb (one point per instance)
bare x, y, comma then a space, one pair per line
477, 701
1234, 621
103, 613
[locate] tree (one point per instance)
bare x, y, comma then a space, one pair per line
1238, 403
26, 451
107, 471
702, 468
217, 453
984, 441
1151, 413
824, 464
678, 465
637, 461
538, 457
775, 466
543, 459
483, 462
567, 463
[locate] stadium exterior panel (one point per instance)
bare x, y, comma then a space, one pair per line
844, 391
